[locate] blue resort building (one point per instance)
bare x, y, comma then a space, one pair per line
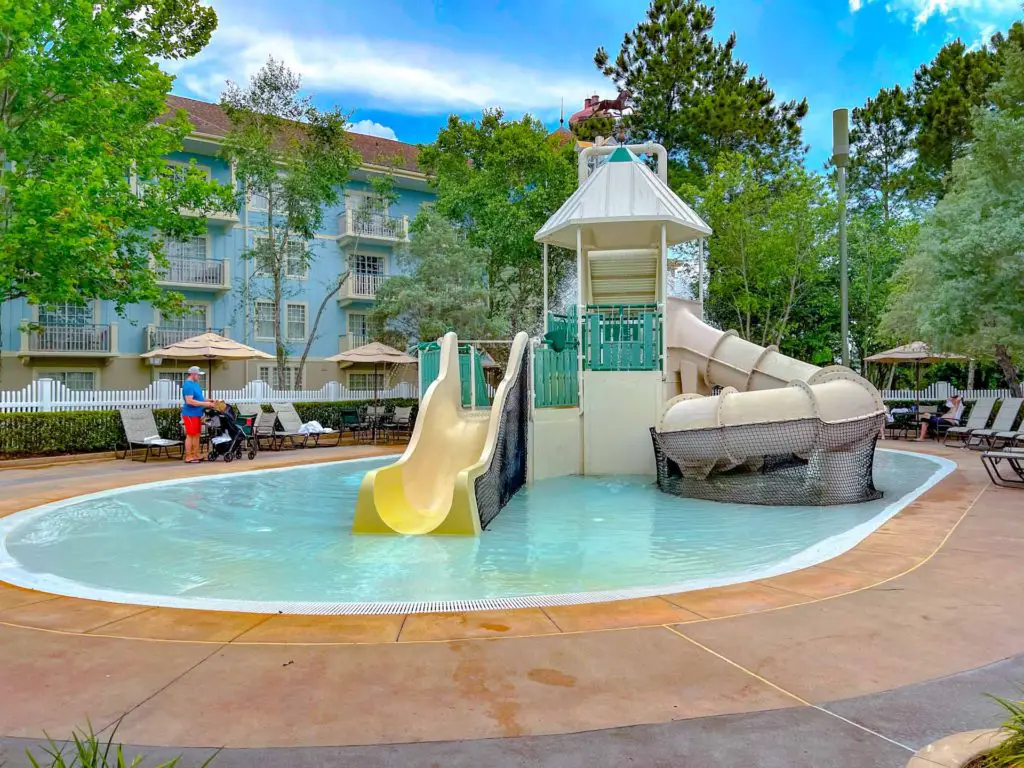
91, 347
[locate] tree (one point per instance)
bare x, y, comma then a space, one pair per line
881, 148
692, 96
500, 181
296, 158
443, 287
82, 117
962, 289
769, 248
945, 93
382, 195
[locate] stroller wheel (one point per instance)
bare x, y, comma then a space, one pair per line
252, 454
229, 457
212, 456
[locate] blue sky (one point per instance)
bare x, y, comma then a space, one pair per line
402, 66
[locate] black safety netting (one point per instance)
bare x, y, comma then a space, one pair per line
507, 473
806, 462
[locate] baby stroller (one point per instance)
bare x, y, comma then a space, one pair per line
226, 437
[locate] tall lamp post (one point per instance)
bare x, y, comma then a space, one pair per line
841, 158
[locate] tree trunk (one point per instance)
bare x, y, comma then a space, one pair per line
279, 349
970, 373
316, 323
1005, 363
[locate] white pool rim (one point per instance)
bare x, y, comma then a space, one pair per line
12, 572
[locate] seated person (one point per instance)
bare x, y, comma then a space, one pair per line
954, 410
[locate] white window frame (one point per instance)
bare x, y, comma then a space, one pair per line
199, 166
256, 319
161, 322
382, 379
354, 258
350, 322
207, 246
267, 373
178, 377
94, 305
49, 373
287, 275
251, 207
305, 320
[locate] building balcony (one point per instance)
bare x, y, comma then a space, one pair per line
360, 287
349, 341
158, 336
69, 341
371, 229
197, 274
221, 218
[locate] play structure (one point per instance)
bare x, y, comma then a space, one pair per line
623, 366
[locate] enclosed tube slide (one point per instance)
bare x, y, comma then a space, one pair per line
774, 415
431, 488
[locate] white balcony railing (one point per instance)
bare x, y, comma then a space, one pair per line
350, 341
71, 340
361, 286
164, 335
353, 223
211, 273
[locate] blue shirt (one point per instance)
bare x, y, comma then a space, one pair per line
191, 388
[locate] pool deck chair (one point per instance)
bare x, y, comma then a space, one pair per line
266, 430
1002, 430
993, 461
980, 414
140, 432
291, 422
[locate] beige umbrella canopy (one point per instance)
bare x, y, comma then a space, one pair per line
208, 346
375, 353
916, 352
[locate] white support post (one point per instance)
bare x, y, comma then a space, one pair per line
700, 278
544, 310
664, 301
472, 378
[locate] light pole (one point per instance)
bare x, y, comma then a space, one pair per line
841, 158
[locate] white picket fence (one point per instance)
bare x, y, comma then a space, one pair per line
50, 395
941, 390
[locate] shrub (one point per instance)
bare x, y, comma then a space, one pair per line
1010, 754
87, 751
58, 433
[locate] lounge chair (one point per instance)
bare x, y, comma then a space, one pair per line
400, 423
351, 422
266, 430
1001, 431
1014, 458
141, 432
291, 423
980, 414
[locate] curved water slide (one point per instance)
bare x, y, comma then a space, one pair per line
432, 488
766, 405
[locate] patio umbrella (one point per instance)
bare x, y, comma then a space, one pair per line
208, 346
916, 352
375, 353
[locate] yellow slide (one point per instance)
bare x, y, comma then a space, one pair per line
431, 488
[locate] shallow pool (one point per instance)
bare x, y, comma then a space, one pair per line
279, 540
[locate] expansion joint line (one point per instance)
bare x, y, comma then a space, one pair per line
786, 692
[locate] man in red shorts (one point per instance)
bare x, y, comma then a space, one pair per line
192, 413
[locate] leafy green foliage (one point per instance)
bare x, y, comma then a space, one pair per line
500, 181
1009, 754
691, 95
298, 158
86, 750
81, 106
768, 254
963, 287
60, 433
444, 287
881, 147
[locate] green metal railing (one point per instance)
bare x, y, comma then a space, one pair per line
555, 378
622, 337
430, 364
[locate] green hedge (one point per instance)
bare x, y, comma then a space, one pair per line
59, 433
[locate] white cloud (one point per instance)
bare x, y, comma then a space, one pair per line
977, 13
398, 75
371, 128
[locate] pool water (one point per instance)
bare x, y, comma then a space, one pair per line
280, 540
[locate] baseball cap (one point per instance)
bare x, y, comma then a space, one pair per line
196, 369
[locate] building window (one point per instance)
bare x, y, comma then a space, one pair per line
179, 171
365, 381
358, 329
368, 265
296, 264
78, 381
268, 375
260, 201
295, 326
75, 315
264, 316
193, 247
194, 319
178, 377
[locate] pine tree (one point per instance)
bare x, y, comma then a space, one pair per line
691, 95
881, 144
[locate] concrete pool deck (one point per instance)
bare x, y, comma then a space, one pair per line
935, 592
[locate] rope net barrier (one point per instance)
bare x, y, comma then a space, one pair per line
805, 462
